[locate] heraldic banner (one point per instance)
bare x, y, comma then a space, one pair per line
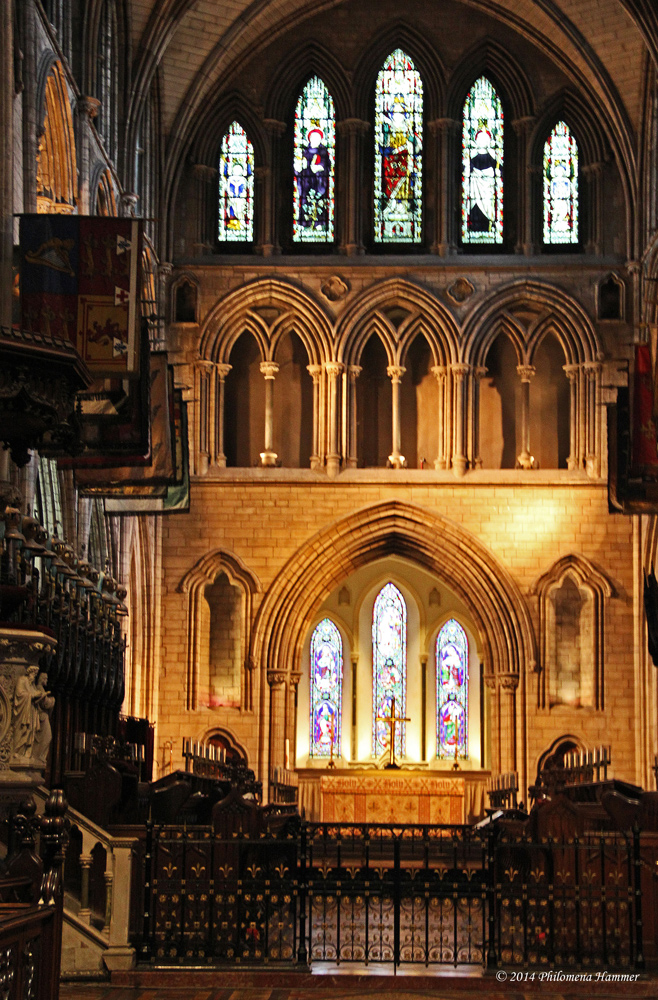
80, 281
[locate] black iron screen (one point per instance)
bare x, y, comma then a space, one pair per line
430, 895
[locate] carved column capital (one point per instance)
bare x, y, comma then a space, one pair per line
315, 371
439, 372
395, 372
352, 126
571, 371
223, 370
444, 126
295, 677
269, 369
479, 371
273, 127
522, 126
592, 368
204, 171
276, 678
460, 371
526, 372
490, 682
333, 369
508, 682
354, 371
89, 107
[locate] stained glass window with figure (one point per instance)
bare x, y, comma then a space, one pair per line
452, 691
561, 186
389, 667
236, 186
482, 165
326, 689
398, 151
314, 159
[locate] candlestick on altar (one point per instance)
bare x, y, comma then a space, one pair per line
332, 730
391, 721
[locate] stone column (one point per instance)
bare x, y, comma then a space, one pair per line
119, 955
525, 459
291, 718
87, 110
594, 174
351, 136
315, 371
85, 865
507, 685
494, 722
395, 459
572, 373
221, 371
277, 682
446, 132
268, 456
477, 375
592, 371
158, 328
355, 668
353, 373
204, 394
334, 370
440, 372
109, 887
6, 160
523, 128
423, 706
459, 460
268, 240
206, 179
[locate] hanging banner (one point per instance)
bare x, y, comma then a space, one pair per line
645, 452
80, 281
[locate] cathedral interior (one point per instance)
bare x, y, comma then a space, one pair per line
328, 487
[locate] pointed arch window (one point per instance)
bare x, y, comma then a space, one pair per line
314, 161
326, 689
398, 151
389, 667
452, 691
482, 165
561, 186
236, 186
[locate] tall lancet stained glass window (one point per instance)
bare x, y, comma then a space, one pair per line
452, 691
561, 186
398, 151
389, 667
315, 153
236, 186
326, 689
482, 165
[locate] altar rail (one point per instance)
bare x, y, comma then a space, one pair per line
430, 895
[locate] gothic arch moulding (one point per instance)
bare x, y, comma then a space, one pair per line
202, 575
56, 168
268, 309
381, 310
425, 59
496, 63
311, 59
572, 598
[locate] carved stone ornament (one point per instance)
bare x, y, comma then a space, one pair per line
509, 682
334, 288
460, 291
275, 678
25, 706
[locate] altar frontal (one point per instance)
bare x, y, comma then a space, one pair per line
388, 798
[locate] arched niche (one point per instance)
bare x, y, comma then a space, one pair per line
549, 406
500, 406
244, 404
185, 300
57, 178
374, 406
293, 403
221, 636
419, 406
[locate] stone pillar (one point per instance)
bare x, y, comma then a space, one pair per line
109, 886
494, 723
524, 242
6, 160
333, 370
459, 460
572, 372
351, 136
291, 719
268, 239
268, 456
525, 459
85, 865
353, 373
477, 375
163, 309
594, 242
507, 685
204, 392
87, 110
423, 706
206, 179
446, 132
592, 370
395, 459
355, 666
221, 371
440, 372
315, 371
277, 682
119, 955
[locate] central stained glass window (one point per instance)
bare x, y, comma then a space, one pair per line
389, 667
452, 691
236, 186
326, 689
482, 165
398, 151
560, 186
314, 158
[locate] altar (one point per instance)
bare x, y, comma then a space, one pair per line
379, 796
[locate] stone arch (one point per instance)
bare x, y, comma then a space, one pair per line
225, 736
180, 300
495, 62
425, 314
105, 202
213, 125
586, 577
310, 59
568, 106
563, 744
56, 168
268, 308
425, 59
203, 573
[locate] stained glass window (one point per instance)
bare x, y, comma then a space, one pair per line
389, 667
561, 186
236, 186
452, 691
398, 151
482, 165
326, 689
315, 148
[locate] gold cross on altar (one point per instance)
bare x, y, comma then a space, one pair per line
391, 721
